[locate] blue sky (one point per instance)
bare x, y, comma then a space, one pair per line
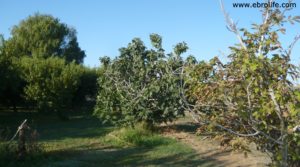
104, 26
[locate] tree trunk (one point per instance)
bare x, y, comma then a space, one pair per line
21, 144
284, 147
15, 106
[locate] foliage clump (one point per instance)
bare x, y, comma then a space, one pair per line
43, 36
51, 83
141, 85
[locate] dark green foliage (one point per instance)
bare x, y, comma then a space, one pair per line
140, 85
40, 38
72, 51
44, 36
87, 88
11, 83
105, 61
51, 83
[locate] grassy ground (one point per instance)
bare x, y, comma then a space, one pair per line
83, 141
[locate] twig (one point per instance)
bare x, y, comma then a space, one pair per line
291, 46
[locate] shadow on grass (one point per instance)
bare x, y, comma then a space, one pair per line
74, 128
50, 127
85, 153
133, 156
111, 157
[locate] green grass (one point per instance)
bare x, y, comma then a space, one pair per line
138, 136
83, 141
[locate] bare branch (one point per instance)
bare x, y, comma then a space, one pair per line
277, 107
262, 38
232, 26
291, 46
268, 137
236, 133
249, 93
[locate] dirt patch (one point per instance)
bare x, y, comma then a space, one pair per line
211, 150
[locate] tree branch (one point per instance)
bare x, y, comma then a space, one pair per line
232, 26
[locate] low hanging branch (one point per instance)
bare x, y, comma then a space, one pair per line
196, 116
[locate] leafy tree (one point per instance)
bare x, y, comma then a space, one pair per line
37, 37
51, 83
141, 85
252, 95
44, 36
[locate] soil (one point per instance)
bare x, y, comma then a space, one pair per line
211, 150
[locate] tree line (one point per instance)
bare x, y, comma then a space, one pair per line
41, 66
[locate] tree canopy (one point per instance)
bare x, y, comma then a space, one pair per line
141, 85
44, 36
39, 62
51, 83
